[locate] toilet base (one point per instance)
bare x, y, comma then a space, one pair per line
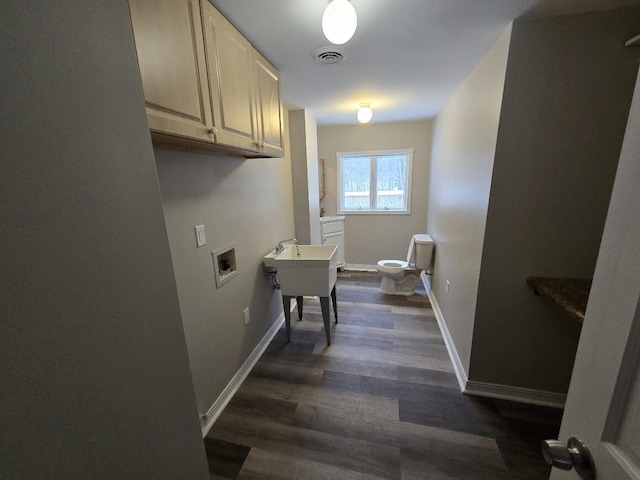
405, 286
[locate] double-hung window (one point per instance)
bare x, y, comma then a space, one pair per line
375, 182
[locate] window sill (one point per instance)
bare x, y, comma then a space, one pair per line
374, 212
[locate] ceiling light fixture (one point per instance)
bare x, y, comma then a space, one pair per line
364, 113
339, 21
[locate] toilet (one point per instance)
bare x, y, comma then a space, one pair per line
401, 278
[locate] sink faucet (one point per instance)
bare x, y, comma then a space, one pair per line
280, 246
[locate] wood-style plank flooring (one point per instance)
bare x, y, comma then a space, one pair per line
382, 402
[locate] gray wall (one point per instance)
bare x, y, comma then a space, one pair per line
303, 133
370, 238
464, 142
566, 100
243, 201
95, 374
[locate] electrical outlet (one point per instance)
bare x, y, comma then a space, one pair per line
247, 317
201, 238
448, 285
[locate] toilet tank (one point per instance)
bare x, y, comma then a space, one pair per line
421, 251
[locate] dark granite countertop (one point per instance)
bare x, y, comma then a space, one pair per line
570, 294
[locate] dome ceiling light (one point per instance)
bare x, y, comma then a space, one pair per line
364, 113
339, 21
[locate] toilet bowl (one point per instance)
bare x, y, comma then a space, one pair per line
401, 277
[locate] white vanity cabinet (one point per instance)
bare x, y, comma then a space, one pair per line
332, 230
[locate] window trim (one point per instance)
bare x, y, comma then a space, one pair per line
372, 194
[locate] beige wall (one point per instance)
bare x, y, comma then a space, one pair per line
566, 101
304, 167
464, 143
243, 201
95, 373
369, 238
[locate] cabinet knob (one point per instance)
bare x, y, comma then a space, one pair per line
212, 131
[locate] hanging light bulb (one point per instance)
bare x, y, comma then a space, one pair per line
339, 21
364, 113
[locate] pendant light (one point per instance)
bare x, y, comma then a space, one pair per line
364, 113
339, 21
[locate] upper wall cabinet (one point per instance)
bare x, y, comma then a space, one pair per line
270, 115
170, 50
230, 66
205, 86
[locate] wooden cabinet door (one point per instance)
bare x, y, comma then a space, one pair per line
170, 48
229, 63
270, 114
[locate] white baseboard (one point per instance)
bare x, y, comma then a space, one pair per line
425, 281
482, 389
356, 267
207, 420
461, 375
515, 394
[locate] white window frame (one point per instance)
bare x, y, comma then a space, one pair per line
372, 182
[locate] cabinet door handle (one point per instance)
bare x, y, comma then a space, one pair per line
212, 131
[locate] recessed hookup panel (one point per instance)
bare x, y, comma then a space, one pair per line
224, 264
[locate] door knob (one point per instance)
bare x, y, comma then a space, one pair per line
574, 454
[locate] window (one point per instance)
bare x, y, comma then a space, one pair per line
375, 182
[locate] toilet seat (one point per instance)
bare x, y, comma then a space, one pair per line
393, 266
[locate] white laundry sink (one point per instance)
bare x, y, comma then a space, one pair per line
313, 272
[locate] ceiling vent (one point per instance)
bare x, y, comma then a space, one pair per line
329, 55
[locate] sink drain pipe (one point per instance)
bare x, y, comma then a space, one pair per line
274, 280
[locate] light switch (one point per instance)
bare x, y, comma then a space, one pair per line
201, 238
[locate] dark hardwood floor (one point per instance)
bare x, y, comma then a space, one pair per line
382, 402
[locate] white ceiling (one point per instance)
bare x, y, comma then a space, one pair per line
406, 58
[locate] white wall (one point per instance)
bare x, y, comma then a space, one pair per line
566, 100
243, 201
369, 238
464, 142
95, 375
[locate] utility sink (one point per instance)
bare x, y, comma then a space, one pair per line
312, 273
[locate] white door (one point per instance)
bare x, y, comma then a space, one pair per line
603, 404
